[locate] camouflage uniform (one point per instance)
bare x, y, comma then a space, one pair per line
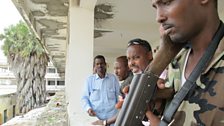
205, 104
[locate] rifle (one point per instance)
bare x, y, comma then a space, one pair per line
143, 86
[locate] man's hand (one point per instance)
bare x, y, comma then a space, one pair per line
91, 112
121, 99
97, 122
125, 90
154, 120
119, 103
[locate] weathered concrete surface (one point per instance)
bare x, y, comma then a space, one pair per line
28, 119
53, 114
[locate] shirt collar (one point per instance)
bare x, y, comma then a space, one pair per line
98, 77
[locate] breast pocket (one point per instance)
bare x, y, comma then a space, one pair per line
95, 95
111, 94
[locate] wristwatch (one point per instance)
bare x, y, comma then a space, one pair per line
104, 122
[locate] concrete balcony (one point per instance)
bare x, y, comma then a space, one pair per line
52, 114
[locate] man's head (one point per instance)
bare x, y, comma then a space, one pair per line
99, 65
185, 20
121, 68
139, 55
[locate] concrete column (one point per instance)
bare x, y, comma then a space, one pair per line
79, 60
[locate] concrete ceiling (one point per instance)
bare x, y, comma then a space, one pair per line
116, 22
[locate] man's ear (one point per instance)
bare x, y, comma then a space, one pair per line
150, 55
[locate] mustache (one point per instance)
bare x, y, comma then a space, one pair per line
134, 66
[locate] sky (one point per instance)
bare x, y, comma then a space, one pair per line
8, 15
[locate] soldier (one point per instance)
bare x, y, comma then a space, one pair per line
195, 22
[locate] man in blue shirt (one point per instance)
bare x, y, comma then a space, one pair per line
125, 76
101, 91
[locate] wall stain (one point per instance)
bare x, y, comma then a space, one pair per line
102, 12
99, 33
51, 27
55, 8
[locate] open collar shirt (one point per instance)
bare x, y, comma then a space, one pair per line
101, 94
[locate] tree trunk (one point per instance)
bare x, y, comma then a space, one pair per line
30, 75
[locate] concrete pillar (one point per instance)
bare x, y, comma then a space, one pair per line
79, 60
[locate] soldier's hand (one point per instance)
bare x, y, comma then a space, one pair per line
161, 83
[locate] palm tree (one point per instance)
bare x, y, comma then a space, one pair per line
28, 61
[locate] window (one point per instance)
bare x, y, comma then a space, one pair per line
51, 82
5, 116
61, 83
51, 70
14, 111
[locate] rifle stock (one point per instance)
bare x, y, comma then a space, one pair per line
143, 86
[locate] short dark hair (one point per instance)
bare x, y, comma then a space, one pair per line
99, 57
140, 42
123, 59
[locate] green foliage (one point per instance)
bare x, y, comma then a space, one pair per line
19, 40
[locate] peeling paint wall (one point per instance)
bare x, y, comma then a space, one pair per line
102, 12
